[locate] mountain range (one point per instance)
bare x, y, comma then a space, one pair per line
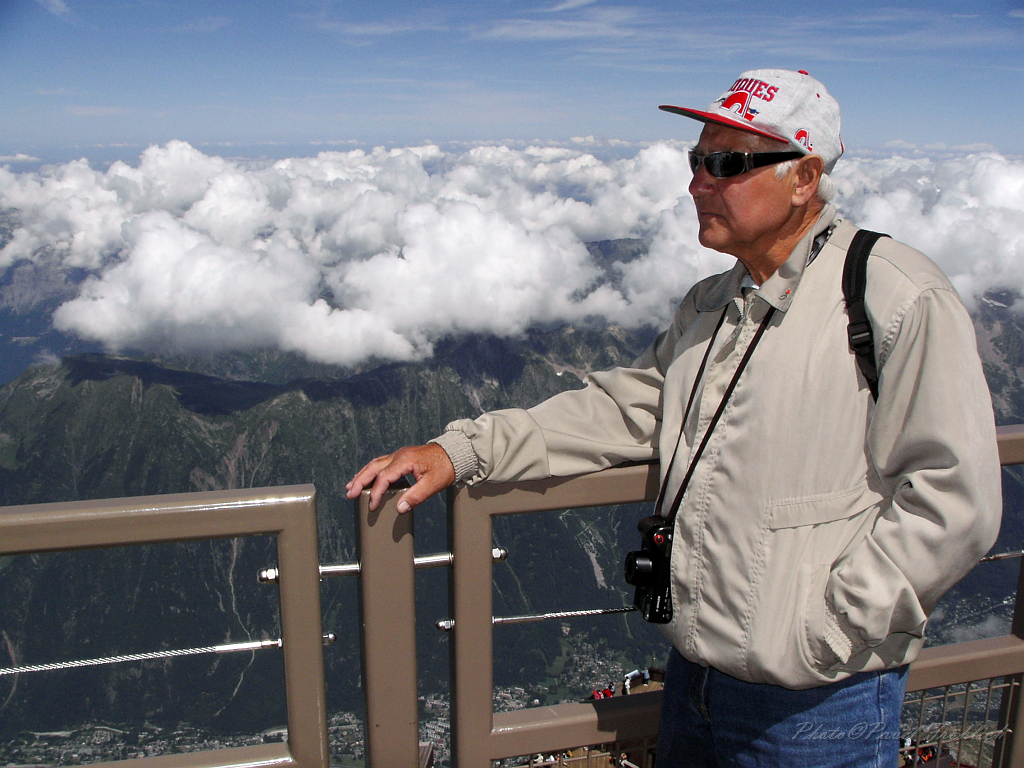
76, 423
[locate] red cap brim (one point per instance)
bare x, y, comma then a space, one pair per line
711, 117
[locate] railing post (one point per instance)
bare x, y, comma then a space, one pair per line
471, 643
1009, 750
387, 612
299, 590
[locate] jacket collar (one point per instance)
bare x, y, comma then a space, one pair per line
777, 290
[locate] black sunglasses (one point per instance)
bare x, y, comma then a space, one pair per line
722, 165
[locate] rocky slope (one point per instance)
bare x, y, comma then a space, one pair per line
96, 426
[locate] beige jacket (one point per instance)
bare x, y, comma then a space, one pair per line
820, 528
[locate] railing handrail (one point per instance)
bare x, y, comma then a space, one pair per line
1010, 439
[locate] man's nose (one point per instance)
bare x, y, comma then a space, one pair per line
702, 183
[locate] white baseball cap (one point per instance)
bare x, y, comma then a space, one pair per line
780, 104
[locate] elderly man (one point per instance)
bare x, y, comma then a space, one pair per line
813, 516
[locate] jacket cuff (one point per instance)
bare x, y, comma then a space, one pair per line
460, 451
840, 636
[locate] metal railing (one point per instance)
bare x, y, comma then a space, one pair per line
480, 735
288, 513
387, 617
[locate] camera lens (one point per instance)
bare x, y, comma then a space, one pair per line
639, 569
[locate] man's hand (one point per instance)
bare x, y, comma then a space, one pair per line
429, 464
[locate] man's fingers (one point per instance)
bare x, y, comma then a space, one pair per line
366, 475
395, 470
429, 464
425, 487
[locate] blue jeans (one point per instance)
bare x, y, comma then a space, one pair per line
712, 720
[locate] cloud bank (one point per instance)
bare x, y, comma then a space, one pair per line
348, 256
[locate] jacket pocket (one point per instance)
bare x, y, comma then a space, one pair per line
821, 508
819, 653
805, 537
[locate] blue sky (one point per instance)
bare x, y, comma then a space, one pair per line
105, 79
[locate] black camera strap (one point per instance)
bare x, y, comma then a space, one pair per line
689, 404
714, 420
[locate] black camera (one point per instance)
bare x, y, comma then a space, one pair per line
649, 571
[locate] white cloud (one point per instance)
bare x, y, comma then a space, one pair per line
350, 255
56, 7
966, 213
532, 29
66, 209
94, 111
20, 157
205, 25
568, 5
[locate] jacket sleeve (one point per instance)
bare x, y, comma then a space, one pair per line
616, 417
932, 442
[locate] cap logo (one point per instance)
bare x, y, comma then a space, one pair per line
757, 88
737, 102
804, 138
743, 92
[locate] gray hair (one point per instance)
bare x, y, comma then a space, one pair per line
826, 187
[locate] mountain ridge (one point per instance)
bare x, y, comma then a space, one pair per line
99, 426
94, 425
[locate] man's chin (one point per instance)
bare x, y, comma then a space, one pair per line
709, 238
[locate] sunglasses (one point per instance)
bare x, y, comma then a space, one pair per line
723, 165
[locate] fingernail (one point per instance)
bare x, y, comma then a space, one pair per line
403, 507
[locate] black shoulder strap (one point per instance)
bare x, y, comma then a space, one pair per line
855, 280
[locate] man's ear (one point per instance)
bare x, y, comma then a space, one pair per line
809, 170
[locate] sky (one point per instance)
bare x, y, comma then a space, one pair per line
104, 79
356, 181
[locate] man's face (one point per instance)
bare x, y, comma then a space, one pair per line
742, 215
